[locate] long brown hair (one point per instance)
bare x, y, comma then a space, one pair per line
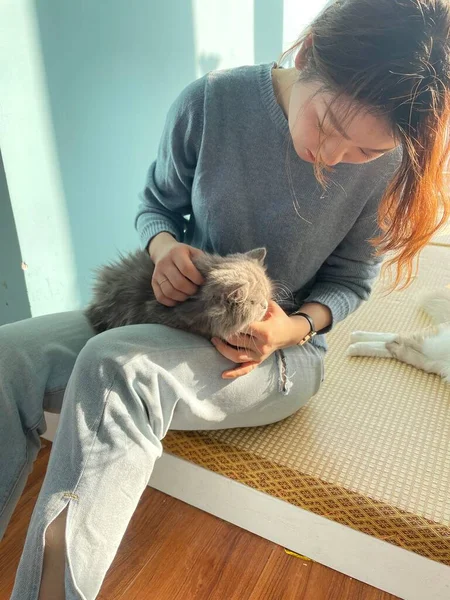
393, 58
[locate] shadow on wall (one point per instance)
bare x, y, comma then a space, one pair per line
268, 30
14, 304
112, 70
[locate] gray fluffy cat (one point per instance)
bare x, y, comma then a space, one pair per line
236, 293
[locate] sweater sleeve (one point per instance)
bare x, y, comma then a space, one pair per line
346, 278
166, 198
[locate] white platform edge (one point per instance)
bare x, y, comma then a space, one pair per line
363, 557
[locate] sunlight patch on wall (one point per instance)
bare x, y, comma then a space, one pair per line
297, 16
223, 34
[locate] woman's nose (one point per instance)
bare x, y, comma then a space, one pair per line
331, 154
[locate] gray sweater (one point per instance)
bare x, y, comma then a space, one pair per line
227, 179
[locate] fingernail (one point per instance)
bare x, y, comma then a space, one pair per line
214, 340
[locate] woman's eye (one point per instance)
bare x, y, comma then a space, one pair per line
364, 153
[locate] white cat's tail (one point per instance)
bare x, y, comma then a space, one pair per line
437, 305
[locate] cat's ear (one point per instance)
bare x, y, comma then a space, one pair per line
258, 254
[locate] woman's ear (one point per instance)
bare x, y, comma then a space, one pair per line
300, 58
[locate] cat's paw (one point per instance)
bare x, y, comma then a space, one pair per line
376, 349
357, 349
360, 336
395, 349
372, 336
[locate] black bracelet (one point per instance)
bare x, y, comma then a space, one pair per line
312, 330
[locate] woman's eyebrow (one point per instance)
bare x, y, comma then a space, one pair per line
335, 122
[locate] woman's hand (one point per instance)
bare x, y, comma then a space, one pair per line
262, 340
175, 277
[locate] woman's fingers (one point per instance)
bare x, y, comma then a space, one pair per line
173, 285
176, 278
234, 354
164, 291
185, 265
243, 340
241, 370
160, 296
248, 353
179, 282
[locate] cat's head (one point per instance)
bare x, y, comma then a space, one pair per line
237, 290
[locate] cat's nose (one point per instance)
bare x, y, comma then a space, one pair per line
265, 304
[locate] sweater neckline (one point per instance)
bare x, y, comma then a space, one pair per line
268, 95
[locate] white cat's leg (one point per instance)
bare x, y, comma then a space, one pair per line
409, 351
370, 336
377, 349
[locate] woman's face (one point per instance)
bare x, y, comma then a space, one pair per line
361, 138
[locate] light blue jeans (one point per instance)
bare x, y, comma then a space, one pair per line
118, 394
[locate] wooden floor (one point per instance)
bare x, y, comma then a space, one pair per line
173, 551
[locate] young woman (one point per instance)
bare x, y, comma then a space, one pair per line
302, 161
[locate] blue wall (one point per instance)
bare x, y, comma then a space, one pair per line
112, 69
13, 293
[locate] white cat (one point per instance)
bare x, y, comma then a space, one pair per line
428, 349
